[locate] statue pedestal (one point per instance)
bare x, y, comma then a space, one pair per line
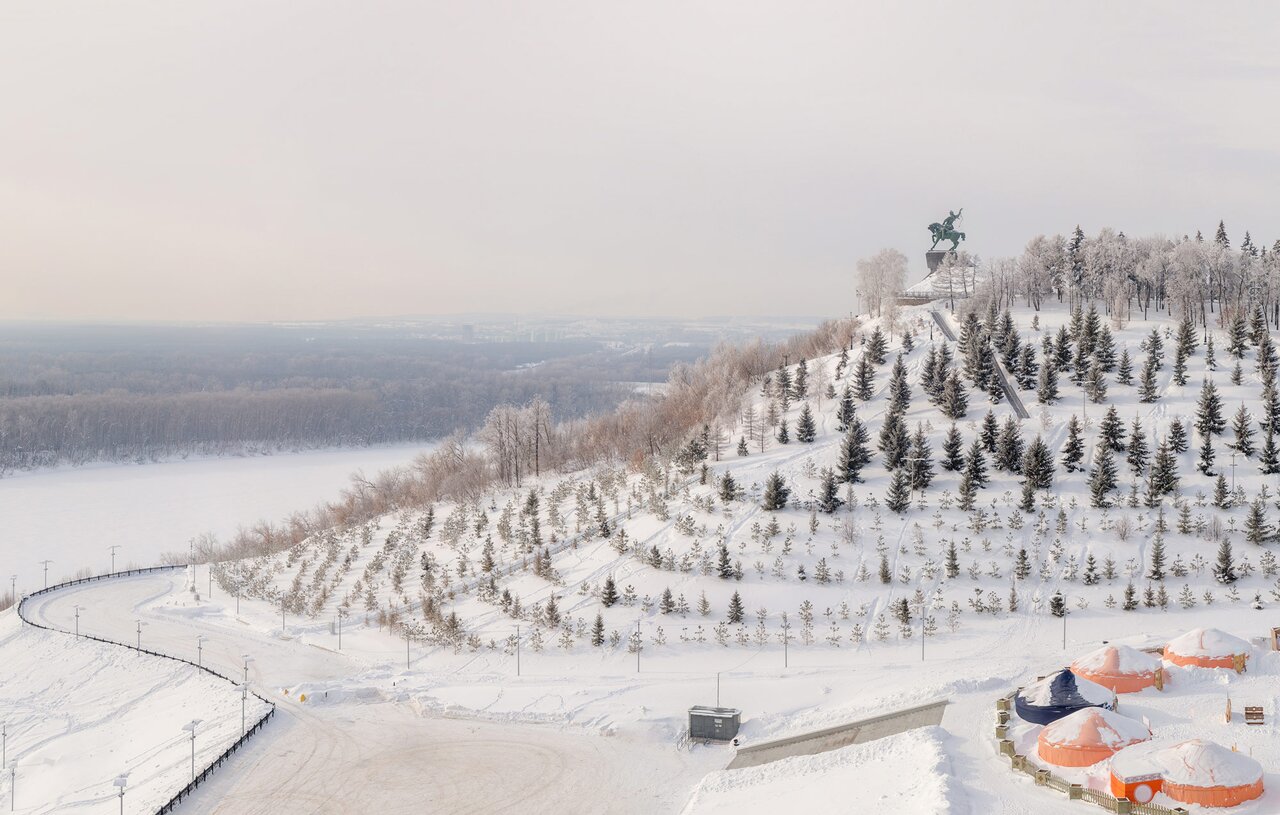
934, 258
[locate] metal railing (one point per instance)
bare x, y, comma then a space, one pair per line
226, 754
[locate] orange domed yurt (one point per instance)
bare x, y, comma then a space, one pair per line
1208, 648
1120, 668
1190, 772
1090, 735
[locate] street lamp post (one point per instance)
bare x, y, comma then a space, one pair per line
191, 727
200, 651
4, 743
46, 563
140, 625
13, 587
517, 650
244, 696
122, 781
113, 557
77, 621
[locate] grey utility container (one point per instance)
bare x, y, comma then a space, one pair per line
713, 723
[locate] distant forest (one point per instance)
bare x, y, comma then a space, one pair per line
74, 394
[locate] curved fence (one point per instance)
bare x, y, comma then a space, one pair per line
226, 754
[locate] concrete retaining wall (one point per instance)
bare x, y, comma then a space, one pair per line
833, 738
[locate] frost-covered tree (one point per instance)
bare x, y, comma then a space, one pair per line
776, 492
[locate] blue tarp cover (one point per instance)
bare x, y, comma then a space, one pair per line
1064, 698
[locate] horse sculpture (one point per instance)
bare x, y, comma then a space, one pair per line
945, 231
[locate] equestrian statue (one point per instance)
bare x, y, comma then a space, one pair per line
945, 231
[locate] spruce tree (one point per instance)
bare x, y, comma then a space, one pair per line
1155, 347
1157, 564
898, 497
1147, 392
1237, 337
955, 402
1224, 569
1178, 436
1062, 350
1257, 324
1112, 430
1090, 576
1058, 605
801, 384
1138, 452
990, 432
1256, 528
1270, 403
1037, 465
782, 379
1242, 424
1179, 367
735, 609
876, 346
844, 409
1073, 449
1164, 470
609, 594
920, 463
1103, 478
742, 446
1047, 391
1124, 374
894, 442
975, 465
728, 488
1187, 340
899, 390
1022, 565
829, 493
1009, 446
1096, 383
952, 457
1210, 360
1221, 497
1267, 355
953, 561
1205, 462
784, 434
1104, 350
775, 492
806, 428
863, 379
1028, 368
1269, 456
1209, 419
854, 454
597, 631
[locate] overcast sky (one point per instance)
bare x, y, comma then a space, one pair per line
211, 159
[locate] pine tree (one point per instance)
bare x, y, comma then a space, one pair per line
1111, 430
1103, 478
1267, 355
894, 442
1124, 374
1058, 605
1090, 576
1237, 337
800, 387
784, 435
1257, 324
1210, 360
1062, 351
609, 594
1221, 237
955, 401
1047, 391
1178, 436
967, 492
1138, 453
1179, 367
990, 432
597, 631
995, 388
1073, 449
1009, 446
829, 494
898, 497
667, 602
806, 429
1164, 470
1187, 340
1155, 348
1221, 497
1104, 349
735, 609
885, 575
1130, 597
1224, 570
920, 463
1022, 565
1209, 420
854, 454
863, 379
899, 390
724, 566
742, 446
876, 346
952, 458
1270, 403
1243, 427
775, 492
1037, 465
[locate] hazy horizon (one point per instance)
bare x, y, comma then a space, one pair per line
244, 162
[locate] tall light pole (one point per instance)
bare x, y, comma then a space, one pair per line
200, 651
121, 781
4, 743
13, 788
113, 557
140, 624
637, 646
244, 696
13, 587
517, 650
191, 727
77, 621
46, 563
341, 613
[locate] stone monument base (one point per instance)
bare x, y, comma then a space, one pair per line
934, 258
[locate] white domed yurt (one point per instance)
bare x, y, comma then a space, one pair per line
1121, 668
1208, 648
1089, 735
1190, 772
1059, 694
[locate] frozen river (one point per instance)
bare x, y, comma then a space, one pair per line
72, 515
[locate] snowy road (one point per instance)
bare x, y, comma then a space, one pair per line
376, 756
